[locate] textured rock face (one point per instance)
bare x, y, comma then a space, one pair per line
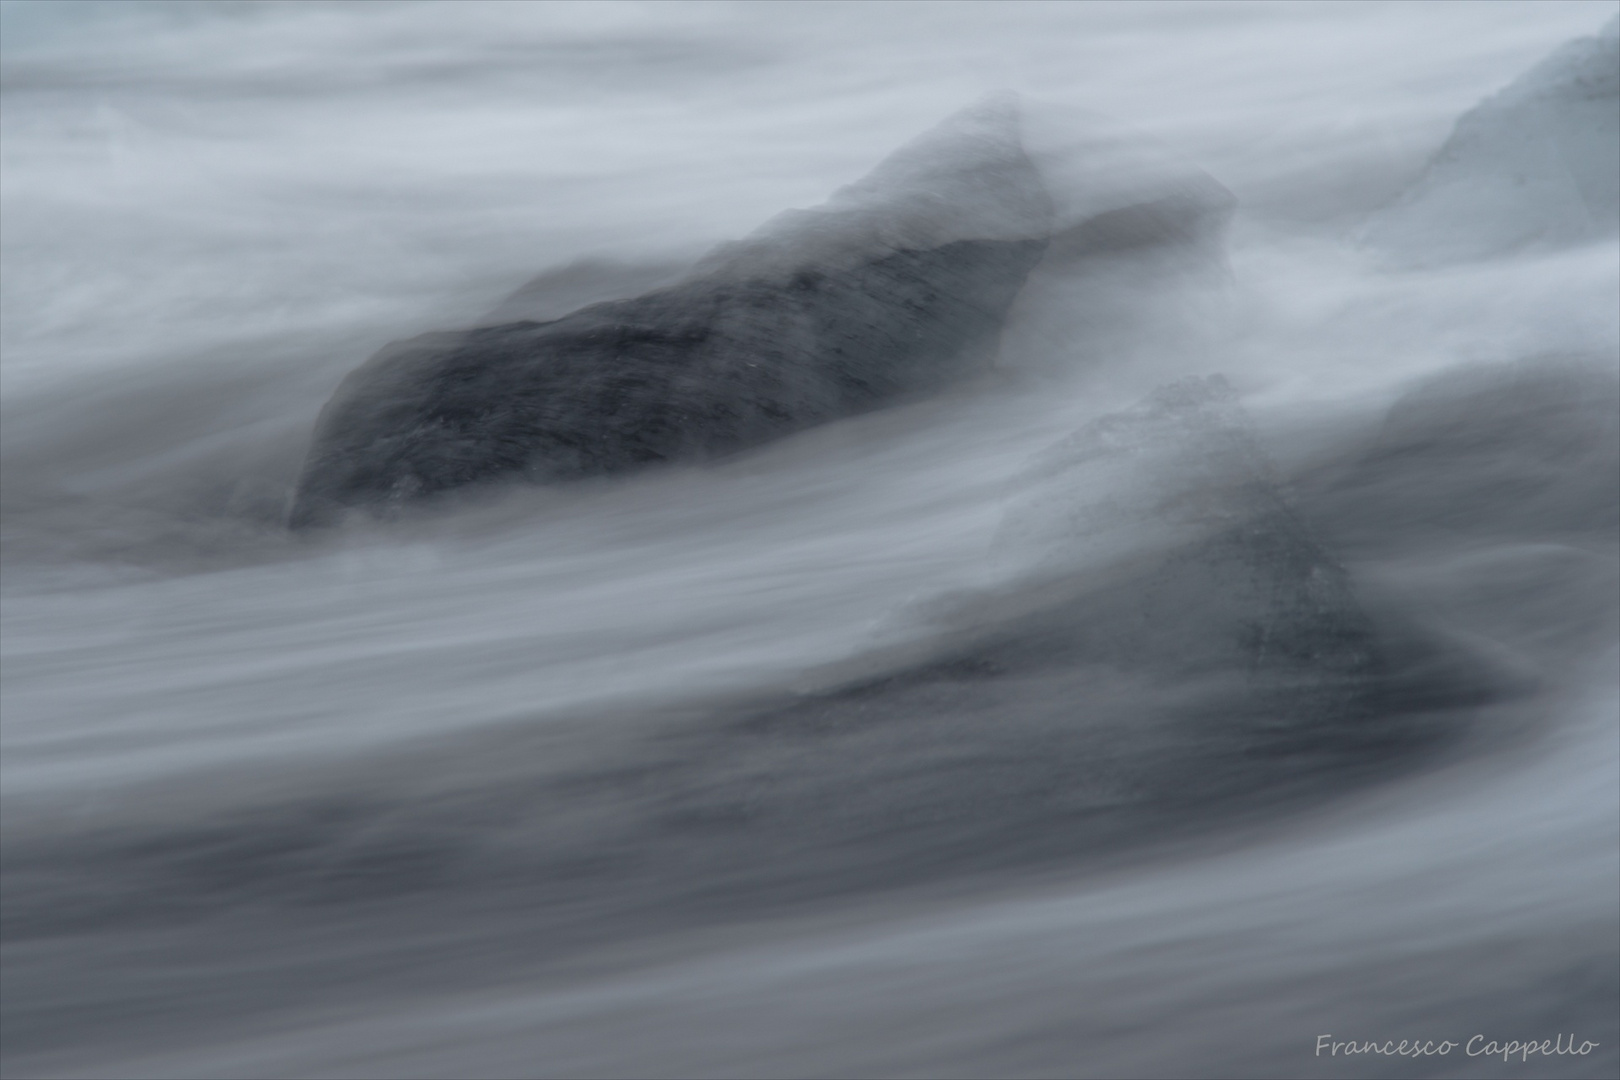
1164, 537
1536, 164
895, 287
702, 369
898, 285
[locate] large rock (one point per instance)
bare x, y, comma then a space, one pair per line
897, 286
1537, 164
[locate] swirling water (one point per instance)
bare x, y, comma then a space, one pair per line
687, 773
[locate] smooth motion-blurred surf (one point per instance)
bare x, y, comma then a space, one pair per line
1094, 596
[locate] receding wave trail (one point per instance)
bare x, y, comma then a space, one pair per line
1229, 661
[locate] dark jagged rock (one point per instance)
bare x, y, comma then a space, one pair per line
893, 289
699, 370
896, 287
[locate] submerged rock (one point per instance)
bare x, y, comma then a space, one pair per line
1536, 164
1506, 452
893, 289
896, 286
1173, 648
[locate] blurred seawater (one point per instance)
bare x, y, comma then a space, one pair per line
841, 756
